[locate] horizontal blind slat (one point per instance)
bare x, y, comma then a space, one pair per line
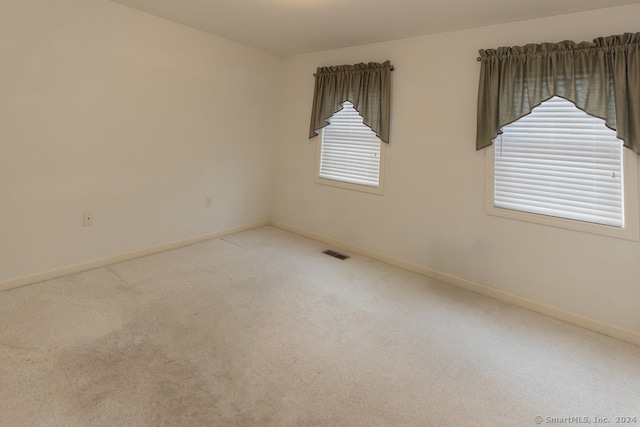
560, 161
350, 150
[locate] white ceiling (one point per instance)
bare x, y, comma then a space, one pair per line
288, 27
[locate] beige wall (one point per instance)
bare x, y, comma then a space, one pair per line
432, 212
107, 109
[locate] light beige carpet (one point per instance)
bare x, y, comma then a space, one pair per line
262, 329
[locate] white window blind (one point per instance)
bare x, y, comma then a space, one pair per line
562, 162
350, 150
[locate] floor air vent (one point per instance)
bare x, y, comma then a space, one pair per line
335, 254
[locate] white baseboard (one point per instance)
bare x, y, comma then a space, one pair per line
585, 322
83, 266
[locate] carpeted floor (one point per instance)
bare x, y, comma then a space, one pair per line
260, 328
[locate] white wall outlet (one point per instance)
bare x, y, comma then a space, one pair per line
208, 201
87, 219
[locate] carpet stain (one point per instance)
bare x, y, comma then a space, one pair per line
133, 377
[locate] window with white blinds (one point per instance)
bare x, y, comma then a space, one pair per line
350, 151
561, 162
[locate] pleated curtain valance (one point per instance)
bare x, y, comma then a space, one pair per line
366, 86
602, 78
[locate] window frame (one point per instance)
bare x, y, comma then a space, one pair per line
630, 231
379, 190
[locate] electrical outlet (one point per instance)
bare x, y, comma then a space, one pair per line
87, 219
208, 201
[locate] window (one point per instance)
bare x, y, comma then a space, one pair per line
561, 166
350, 154
602, 79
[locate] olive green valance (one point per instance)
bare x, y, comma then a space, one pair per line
366, 86
602, 78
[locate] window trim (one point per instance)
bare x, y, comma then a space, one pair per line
379, 190
630, 231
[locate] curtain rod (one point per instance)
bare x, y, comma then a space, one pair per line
390, 68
